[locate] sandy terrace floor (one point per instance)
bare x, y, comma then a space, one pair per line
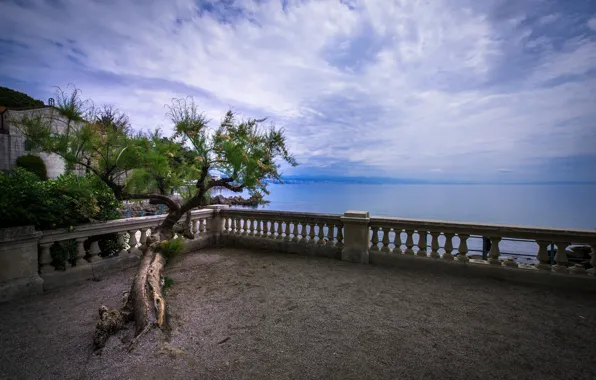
239, 314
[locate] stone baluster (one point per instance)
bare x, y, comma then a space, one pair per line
321, 237
434, 245
251, 227
132, 243
94, 251
45, 258
245, 227
195, 227
495, 252
409, 242
561, 258
295, 237
257, 229
280, 235
385, 240
397, 241
266, 229
374, 239
235, 226
592, 271
421, 244
303, 233
203, 226
340, 236
463, 247
122, 244
80, 258
143, 239
448, 246
311, 233
330, 235
542, 256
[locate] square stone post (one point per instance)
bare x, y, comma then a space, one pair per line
215, 225
356, 236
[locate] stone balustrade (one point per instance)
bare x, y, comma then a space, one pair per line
448, 241
294, 232
353, 236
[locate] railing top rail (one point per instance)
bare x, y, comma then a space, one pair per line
274, 214
484, 229
111, 226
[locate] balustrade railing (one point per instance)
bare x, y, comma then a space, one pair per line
295, 227
440, 240
449, 241
132, 237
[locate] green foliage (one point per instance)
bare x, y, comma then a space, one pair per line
15, 99
33, 164
243, 151
171, 165
67, 201
63, 253
109, 245
171, 248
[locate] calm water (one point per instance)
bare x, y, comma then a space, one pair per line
571, 206
565, 206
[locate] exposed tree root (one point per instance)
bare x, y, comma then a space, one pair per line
145, 304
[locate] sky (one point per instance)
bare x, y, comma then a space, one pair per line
492, 90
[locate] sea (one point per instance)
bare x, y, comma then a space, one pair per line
541, 205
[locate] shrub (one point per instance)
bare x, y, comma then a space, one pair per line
171, 248
67, 201
33, 164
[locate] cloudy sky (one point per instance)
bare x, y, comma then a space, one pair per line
499, 90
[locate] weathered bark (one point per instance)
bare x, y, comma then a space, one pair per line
144, 304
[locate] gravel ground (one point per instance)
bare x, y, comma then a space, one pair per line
238, 314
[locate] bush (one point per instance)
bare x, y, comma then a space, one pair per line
67, 201
33, 164
171, 248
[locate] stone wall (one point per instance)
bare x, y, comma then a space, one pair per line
12, 144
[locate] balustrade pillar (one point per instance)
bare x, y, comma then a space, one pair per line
80, 258
542, 256
122, 244
45, 258
303, 234
463, 247
357, 236
434, 245
495, 252
245, 227
448, 246
330, 235
321, 236
280, 235
94, 251
375, 239
385, 248
421, 244
311, 233
340, 236
295, 238
143, 240
561, 258
265, 233
133, 242
409, 242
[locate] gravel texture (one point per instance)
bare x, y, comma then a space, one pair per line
238, 314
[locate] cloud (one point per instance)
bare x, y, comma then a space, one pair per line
395, 88
592, 23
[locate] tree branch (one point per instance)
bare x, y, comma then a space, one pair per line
155, 199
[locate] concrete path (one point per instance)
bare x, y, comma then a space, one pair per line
256, 315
